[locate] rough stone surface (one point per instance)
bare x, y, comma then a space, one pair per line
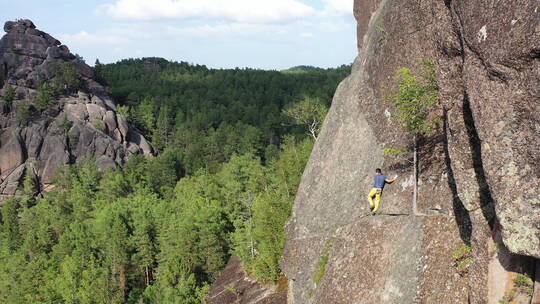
479, 171
234, 286
379, 271
362, 13
11, 151
81, 123
501, 85
503, 269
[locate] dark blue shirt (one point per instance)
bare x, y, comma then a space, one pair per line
379, 181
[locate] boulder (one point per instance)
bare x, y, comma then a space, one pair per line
77, 110
34, 144
109, 103
66, 54
110, 121
51, 40
83, 68
32, 31
11, 152
95, 112
10, 185
105, 162
123, 126
97, 100
102, 145
85, 143
94, 87
53, 156
26, 23
45, 70
139, 141
19, 25
53, 52
8, 26
117, 135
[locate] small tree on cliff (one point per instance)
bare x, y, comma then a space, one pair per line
29, 190
309, 112
415, 98
45, 96
9, 96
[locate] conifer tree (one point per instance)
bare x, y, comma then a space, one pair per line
9, 96
29, 190
10, 224
160, 135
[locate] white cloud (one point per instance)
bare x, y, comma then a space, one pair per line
333, 26
122, 37
340, 7
85, 38
195, 30
243, 11
122, 34
237, 29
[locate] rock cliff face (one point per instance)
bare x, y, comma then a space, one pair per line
68, 126
235, 286
479, 172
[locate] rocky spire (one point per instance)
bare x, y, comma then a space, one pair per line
53, 112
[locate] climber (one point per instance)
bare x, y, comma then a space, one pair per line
379, 181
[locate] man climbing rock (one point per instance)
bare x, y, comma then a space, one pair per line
379, 181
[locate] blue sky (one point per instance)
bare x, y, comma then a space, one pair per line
267, 34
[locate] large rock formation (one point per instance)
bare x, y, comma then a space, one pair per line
479, 172
43, 130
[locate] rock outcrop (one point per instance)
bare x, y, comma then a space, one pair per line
479, 172
43, 130
235, 286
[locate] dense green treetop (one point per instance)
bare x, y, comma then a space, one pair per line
209, 114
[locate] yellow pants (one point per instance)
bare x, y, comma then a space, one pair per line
373, 194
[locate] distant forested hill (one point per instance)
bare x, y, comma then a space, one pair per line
302, 68
232, 146
175, 102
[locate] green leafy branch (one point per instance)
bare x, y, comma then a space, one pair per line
415, 98
414, 101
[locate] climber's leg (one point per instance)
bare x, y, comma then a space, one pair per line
377, 200
370, 197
